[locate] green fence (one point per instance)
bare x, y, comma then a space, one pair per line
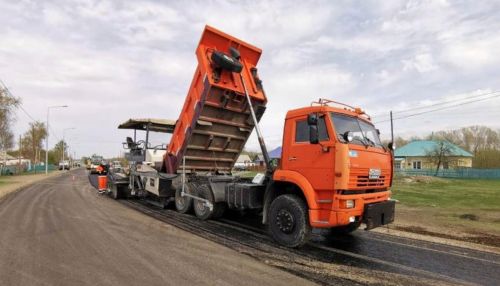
465, 173
41, 168
13, 170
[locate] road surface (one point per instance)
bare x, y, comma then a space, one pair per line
60, 232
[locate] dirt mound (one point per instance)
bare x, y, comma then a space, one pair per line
423, 179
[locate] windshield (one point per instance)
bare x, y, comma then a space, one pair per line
363, 132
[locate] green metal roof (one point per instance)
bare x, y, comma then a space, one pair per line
422, 148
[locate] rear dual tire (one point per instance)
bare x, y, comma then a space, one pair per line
116, 191
201, 210
183, 204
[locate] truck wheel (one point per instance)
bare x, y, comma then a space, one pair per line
116, 192
183, 204
219, 209
201, 210
344, 229
289, 221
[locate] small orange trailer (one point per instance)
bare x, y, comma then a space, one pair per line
334, 172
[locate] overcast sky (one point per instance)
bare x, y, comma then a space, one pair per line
112, 60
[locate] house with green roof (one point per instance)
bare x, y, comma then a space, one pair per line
418, 155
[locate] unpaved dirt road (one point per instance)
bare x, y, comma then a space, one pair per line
59, 232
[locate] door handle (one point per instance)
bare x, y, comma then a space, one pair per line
292, 158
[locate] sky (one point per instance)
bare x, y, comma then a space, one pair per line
114, 60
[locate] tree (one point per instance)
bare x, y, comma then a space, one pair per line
58, 151
487, 159
400, 141
33, 139
452, 136
439, 155
8, 104
480, 138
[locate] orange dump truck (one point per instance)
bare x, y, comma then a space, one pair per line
334, 172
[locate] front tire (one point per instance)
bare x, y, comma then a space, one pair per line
289, 221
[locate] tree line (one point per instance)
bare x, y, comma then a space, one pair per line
481, 141
30, 145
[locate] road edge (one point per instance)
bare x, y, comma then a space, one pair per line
439, 240
26, 185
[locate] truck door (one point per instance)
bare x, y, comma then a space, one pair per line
308, 159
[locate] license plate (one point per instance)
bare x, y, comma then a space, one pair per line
374, 174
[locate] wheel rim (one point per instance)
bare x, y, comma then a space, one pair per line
200, 206
180, 202
285, 221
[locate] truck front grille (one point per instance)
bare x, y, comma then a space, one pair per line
365, 181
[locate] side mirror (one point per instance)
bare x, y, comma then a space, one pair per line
391, 146
348, 137
312, 119
313, 134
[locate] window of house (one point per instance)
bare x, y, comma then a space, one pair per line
417, 165
302, 130
397, 164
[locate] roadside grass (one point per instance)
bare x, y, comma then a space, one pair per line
473, 204
3, 182
9, 179
246, 174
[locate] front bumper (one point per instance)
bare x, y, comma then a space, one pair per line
379, 214
369, 208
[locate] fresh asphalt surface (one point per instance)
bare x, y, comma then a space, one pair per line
59, 232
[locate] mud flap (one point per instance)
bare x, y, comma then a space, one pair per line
379, 214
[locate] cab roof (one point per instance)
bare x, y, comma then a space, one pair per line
323, 109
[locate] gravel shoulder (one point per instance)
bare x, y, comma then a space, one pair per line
12, 184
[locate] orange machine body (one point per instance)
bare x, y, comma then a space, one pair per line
214, 123
332, 172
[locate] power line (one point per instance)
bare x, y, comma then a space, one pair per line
440, 103
21, 105
441, 108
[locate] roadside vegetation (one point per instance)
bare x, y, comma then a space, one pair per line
470, 206
481, 141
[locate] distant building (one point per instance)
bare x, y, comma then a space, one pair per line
12, 163
6, 158
416, 155
259, 160
243, 162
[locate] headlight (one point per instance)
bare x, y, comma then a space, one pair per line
347, 204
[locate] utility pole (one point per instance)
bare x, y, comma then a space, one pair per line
35, 158
47, 139
63, 143
19, 156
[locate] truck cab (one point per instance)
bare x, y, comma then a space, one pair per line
332, 153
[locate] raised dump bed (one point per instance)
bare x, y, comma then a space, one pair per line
215, 121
